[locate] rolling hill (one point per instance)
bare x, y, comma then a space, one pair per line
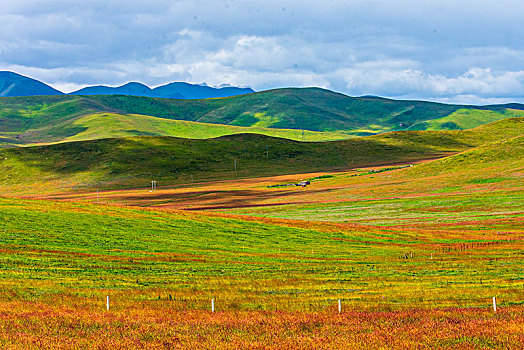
134, 162
47, 119
110, 125
499, 155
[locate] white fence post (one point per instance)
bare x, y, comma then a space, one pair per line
107, 302
212, 305
339, 306
494, 305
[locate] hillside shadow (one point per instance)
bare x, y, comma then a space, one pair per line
128, 162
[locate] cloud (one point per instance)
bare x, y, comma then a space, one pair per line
445, 50
407, 82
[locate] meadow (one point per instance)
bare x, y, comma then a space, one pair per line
415, 250
273, 280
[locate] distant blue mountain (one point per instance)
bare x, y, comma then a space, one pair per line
192, 91
172, 90
131, 89
13, 84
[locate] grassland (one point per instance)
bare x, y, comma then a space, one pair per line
275, 283
134, 162
482, 185
414, 253
479, 189
49, 119
89, 250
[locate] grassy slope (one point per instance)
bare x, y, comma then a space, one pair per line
44, 119
466, 119
311, 109
136, 161
481, 187
500, 154
108, 125
87, 249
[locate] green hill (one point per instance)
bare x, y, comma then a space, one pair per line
46, 119
504, 154
112, 125
465, 118
500, 148
131, 162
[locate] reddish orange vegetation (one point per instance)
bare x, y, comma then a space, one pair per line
160, 326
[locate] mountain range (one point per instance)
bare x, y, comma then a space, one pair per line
13, 84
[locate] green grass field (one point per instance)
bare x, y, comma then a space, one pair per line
161, 269
466, 119
480, 189
85, 251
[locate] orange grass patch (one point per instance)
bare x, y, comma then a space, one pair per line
157, 325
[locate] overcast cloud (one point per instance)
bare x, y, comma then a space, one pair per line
469, 51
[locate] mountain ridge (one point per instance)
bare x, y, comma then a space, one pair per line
16, 85
176, 90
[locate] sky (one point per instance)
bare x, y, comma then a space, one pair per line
467, 51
